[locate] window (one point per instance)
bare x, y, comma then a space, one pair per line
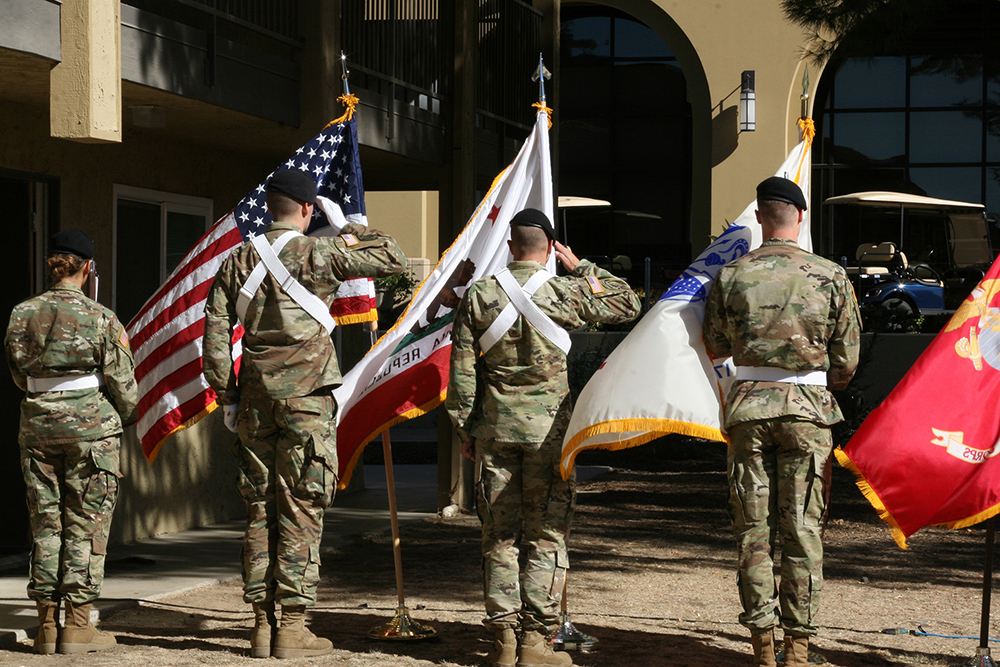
624, 137
152, 232
923, 120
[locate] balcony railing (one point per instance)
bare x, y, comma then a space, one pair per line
510, 36
400, 41
279, 17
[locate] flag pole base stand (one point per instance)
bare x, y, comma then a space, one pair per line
982, 659
402, 628
568, 638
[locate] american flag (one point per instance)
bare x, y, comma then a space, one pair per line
166, 335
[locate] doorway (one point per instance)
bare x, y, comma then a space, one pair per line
29, 206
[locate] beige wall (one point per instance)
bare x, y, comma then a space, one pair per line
150, 159
409, 217
714, 42
191, 483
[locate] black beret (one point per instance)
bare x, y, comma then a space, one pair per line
777, 188
532, 217
296, 184
71, 242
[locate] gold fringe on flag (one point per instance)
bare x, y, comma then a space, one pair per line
808, 129
398, 419
651, 428
869, 493
211, 407
350, 101
357, 318
548, 111
886, 515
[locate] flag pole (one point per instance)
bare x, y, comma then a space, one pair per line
401, 627
567, 637
983, 658
346, 73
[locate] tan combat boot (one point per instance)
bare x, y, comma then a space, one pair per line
763, 650
796, 651
79, 636
265, 626
504, 651
535, 651
48, 627
294, 640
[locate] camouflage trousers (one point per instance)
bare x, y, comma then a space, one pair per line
72, 491
779, 476
287, 458
526, 509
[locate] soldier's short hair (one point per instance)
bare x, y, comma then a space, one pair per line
281, 205
777, 213
529, 239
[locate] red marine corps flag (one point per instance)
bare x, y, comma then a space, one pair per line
927, 456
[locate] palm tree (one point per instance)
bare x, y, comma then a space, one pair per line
862, 27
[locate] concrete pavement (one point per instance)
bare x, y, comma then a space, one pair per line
154, 568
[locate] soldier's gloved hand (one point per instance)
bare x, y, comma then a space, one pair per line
333, 213
229, 416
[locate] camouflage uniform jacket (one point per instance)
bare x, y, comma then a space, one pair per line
62, 333
783, 307
287, 353
518, 389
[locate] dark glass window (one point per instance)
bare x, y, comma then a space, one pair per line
924, 121
624, 137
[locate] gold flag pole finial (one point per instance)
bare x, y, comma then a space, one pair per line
347, 99
540, 75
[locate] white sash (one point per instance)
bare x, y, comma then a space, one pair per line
521, 304
269, 263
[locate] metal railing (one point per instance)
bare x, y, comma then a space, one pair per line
276, 19
401, 40
275, 16
510, 37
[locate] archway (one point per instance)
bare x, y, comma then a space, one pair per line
635, 131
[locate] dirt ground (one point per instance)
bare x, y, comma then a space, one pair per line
653, 579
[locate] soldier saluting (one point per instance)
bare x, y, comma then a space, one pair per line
280, 286
509, 400
71, 356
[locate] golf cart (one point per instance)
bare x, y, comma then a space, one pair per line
907, 255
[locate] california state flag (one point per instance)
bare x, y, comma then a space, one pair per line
927, 456
406, 373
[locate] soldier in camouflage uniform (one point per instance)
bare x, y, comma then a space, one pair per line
790, 320
512, 401
282, 407
71, 356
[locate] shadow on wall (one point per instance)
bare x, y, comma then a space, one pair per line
192, 483
725, 134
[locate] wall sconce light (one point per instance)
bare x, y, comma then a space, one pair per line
748, 102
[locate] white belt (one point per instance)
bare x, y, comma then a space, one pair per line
771, 374
65, 383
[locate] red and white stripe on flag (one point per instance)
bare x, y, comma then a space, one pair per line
166, 339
